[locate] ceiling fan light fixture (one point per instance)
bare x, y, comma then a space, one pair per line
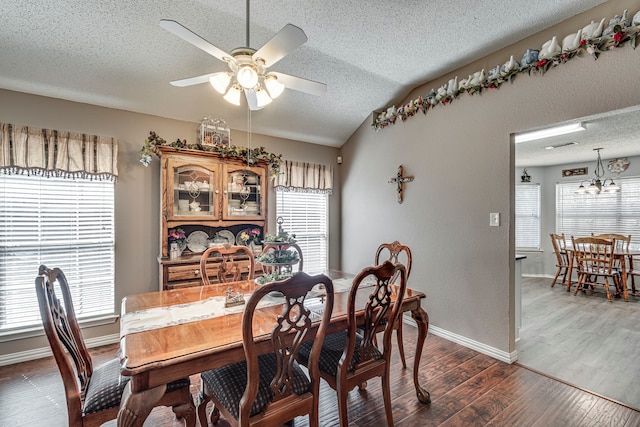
247, 77
272, 84
220, 81
262, 97
233, 96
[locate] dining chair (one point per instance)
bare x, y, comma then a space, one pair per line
396, 252
562, 258
93, 394
595, 258
349, 358
271, 389
234, 260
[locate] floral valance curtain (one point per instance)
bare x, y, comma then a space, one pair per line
304, 177
45, 152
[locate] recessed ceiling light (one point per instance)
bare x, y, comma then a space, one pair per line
549, 132
551, 147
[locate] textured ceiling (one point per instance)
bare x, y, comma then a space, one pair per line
369, 53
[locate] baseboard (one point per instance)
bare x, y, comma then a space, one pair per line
39, 353
469, 343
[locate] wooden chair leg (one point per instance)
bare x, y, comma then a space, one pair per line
342, 406
386, 393
401, 342
203, 399
553, 283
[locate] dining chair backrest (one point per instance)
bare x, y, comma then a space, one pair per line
233, 262
622, 241
594, 254
290, 326
396, 253
560, 249
381, 310
65, 338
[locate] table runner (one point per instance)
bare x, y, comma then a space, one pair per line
161, 317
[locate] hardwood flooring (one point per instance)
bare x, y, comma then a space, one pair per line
467, 389
582, 339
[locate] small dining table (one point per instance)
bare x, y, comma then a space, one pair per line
621, 255
158, 344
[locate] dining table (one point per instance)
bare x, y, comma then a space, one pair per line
172, 334
624, 256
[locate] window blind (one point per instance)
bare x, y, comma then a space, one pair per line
60, 222
580, 215
306, 216
528, 216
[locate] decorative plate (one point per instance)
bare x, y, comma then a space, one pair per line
197, 241
618, 165
227, 235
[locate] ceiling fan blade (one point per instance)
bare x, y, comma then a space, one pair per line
190, 37
192, 80
252, 99
285, 41
300, 84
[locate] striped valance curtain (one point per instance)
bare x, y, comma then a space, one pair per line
304, 177
45, 152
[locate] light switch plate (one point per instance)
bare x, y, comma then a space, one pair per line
494, 219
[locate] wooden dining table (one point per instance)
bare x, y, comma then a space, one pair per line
625, 258
154, 357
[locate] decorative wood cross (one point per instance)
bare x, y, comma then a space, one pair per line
400, 180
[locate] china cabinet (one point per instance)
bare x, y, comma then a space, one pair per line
209, 200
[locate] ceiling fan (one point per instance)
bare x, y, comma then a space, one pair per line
249, 66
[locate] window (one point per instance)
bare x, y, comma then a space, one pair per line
306, 216
528, 216
59, 222
583, 214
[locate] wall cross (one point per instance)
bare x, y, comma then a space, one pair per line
400, 180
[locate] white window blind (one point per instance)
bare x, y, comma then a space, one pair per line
60, 222
580, 215
528, 216
306, 216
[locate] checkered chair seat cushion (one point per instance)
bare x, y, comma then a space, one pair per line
104, 390
332, 350
228, 383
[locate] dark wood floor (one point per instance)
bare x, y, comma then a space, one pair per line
467, 389
582, 339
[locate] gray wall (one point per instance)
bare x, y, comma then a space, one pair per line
462, 157
542, 263
137, 192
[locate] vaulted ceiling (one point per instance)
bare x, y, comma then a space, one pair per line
370, 54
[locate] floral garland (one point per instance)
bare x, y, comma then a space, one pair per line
477, 82
153, 141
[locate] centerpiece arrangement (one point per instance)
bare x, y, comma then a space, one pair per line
277, 256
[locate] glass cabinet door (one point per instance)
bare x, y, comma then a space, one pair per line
193, 192
243, 189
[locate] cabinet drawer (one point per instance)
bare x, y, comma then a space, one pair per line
184, 272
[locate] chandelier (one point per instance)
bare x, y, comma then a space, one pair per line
595, 186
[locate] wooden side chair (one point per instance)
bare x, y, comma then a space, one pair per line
272, 389
349, 358
234, 261
562, 258
395, 252
93, 394
622, 247
595, 259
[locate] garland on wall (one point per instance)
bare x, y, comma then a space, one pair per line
592, 40
251, 156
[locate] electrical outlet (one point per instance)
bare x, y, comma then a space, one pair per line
494, 219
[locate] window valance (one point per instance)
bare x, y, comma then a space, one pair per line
45, 152
304, 177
